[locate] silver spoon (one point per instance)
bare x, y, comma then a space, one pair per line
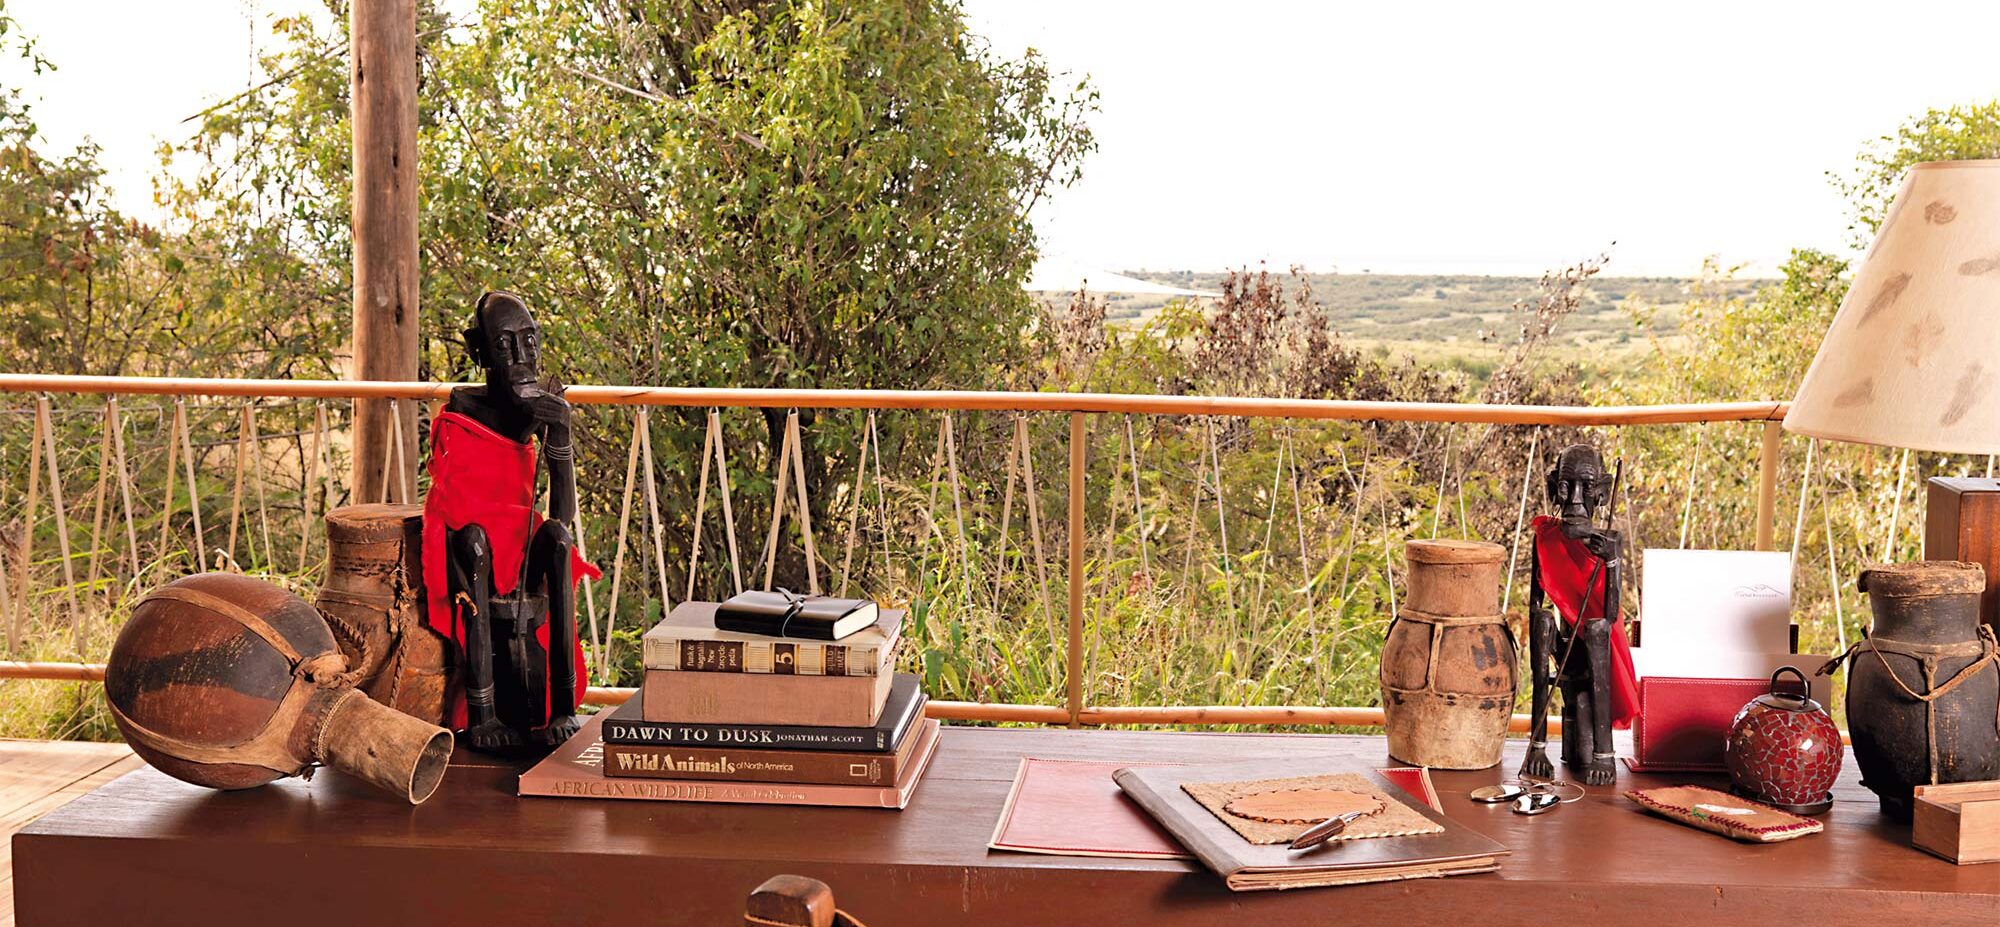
1496, 794
1536, 803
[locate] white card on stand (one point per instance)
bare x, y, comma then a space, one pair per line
1698, 605
1647, 661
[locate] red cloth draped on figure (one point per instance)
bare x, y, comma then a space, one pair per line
1566, 566
480, 476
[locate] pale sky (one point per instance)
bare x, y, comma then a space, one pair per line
1392, 137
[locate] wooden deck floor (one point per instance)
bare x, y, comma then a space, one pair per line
37, 777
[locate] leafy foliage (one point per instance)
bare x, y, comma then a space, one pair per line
86, 290
1955, 133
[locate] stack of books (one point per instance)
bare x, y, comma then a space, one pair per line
731, 712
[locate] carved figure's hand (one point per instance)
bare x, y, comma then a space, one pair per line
550, 412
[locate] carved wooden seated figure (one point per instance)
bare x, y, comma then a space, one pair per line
500, 577
1576, 570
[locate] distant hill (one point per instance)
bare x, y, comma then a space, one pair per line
1455, 312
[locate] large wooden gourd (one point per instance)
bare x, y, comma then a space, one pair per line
1449, 667
230, 682
373, 597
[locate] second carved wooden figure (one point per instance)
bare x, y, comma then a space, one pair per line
1575, 638
500, 577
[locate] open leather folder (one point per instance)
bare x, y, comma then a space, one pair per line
1244, 866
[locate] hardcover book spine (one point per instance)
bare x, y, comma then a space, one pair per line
767, 737
809, 768
782, 658
738, 698
750, 793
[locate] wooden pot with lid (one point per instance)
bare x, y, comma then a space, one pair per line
1449, 666
1923, 688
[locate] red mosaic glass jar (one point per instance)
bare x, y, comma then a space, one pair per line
1784, 750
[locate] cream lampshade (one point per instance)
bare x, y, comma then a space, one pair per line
1913, 357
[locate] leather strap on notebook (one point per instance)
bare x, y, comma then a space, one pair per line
795, 604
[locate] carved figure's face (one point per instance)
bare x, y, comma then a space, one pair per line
1578, 485
505, 340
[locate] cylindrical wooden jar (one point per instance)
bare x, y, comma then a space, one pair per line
373, 598
1926, 636
1449, 667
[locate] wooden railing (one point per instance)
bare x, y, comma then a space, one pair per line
1078, 406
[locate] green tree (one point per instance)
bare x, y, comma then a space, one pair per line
1955, 133
764, 194
769, 194
87, 290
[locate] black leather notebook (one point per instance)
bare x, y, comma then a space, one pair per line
1453, 850
783, 614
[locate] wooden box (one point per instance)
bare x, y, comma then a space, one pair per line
1959, 821
1962, 522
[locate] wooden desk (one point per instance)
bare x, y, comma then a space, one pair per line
148, 850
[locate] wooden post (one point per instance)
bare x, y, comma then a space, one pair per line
1075, 675
1767, 483
383, 76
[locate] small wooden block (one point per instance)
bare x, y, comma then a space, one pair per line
1301, 806
1959, 821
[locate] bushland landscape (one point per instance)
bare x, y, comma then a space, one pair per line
767, 194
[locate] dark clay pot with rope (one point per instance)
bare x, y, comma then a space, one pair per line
1923, 687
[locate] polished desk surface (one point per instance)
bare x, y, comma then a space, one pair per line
146, 849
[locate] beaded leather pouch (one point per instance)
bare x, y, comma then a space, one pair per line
1725, 814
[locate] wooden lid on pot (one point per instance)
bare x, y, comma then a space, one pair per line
1453, 550
371, 522
1925, 577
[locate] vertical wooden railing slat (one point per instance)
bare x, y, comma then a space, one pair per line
193, 484
236, 485
116, 422
99, 495
257, 480
1767, 484
1076, 531
25, 591
48, 429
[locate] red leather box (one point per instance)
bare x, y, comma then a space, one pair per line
1683, 721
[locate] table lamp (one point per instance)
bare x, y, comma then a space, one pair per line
1912, 360
1913, 357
